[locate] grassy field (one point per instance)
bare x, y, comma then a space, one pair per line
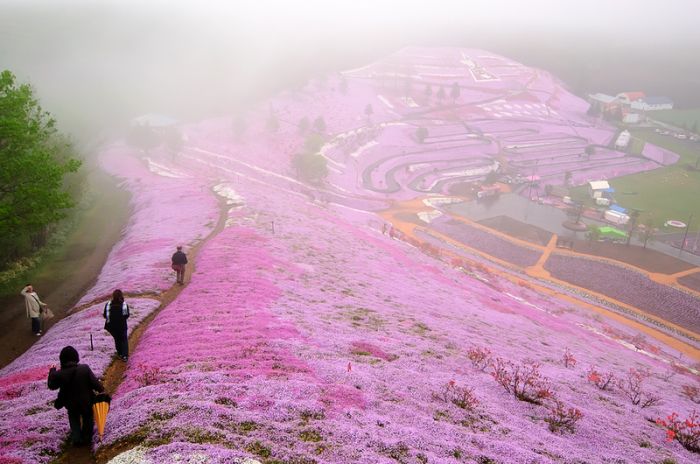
682, 118
666, 193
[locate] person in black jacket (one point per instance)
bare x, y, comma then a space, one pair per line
116, 313
179, 260
76, 385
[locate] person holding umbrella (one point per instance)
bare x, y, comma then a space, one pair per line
76, 385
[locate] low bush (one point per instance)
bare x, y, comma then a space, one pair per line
461, 396
480, 357
692, 393
602, 380
686, 432
524, 380
568, 359
633, 387
562, 419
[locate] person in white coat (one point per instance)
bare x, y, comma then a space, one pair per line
33, 305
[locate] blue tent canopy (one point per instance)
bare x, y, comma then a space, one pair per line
618, 209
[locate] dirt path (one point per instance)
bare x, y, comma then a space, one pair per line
61, 281
114, 375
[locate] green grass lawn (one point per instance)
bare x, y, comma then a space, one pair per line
681, 118
671, 192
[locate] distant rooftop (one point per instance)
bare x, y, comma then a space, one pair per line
604, 98
657, 101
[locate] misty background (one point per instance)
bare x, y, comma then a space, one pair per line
97, 64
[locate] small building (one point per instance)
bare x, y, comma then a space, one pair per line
618, 209
629, 97
653, 104
600, 189
615, 217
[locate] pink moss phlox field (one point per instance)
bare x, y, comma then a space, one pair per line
306, 335
170, 208
31, 430
367, 330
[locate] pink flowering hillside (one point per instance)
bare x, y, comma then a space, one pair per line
308, 335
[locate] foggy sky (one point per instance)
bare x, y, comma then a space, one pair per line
101, 62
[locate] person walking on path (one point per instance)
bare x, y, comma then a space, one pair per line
34, 306
179, 260
116, 313
76, 385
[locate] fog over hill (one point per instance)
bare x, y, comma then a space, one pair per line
99, 63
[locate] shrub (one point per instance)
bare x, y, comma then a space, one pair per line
568, 359
604, 381
562, 419
462, 397
480, 357
686, 432
633, 387
692, 392
523, 380
146, 375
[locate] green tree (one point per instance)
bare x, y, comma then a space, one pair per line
593, 233
455, 92
313, 143
143, 136
174, 140
647, 232
320, 124
303, 125
634, 217
421, 134
35, 160
310, 166
441, 93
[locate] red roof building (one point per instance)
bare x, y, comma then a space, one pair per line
629, 97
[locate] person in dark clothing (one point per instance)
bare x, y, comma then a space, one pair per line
116, 313
76, 385
179, 260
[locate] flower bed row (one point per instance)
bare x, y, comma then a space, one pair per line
487, 242
629, 287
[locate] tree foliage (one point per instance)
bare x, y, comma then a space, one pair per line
421, 134
310, 165
455, 92
320, 124
34, 161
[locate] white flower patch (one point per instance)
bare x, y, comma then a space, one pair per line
133, 456
429, 216
164, 171
227, 191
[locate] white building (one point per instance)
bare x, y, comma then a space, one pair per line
599, 188
653, 104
